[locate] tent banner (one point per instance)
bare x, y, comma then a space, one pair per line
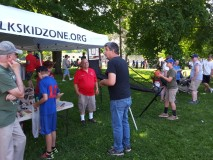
18, 22
29, 30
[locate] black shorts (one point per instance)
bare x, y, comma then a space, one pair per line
28, 75
206, 79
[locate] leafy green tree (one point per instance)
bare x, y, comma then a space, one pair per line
203, 38
165, 24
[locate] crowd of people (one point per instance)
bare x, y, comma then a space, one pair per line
12, 138
86, 86
170, 74
142, 64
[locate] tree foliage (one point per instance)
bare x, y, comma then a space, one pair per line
147, 27
164, 24
203, 37
94, 15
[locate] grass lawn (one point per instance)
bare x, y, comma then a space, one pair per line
189, 138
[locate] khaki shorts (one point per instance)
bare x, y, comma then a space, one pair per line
171, 95
194, 85
86, 102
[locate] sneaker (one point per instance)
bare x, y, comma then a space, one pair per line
163, 115
211, 90
127, 149
113, 152
71, 79
54, 150
193, 102
92, 120
83, 122
46, 155
172, 118
63, 80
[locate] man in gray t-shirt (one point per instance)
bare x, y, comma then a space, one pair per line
12, 138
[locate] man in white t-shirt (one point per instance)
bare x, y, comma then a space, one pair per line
207, 70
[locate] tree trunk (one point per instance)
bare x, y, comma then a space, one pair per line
126, 57
57, 59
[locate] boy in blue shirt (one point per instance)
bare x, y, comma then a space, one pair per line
48, 113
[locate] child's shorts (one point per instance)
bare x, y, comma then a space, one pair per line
171, 95
48, 123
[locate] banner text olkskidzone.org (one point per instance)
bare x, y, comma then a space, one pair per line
21, 28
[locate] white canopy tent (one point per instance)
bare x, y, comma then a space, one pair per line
33, 31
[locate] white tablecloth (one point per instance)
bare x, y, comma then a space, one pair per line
27, 116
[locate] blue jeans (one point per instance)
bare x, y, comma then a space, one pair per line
66, 71
120, 124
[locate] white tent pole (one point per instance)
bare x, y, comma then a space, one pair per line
39, 54
133, 119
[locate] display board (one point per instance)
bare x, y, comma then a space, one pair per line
93, 54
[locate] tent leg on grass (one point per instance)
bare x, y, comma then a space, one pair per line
101, 97
133, 119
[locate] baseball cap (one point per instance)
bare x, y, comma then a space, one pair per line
170, 60
6, 47
194, 55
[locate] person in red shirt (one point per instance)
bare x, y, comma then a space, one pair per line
86, 86
30, 67
38, 61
